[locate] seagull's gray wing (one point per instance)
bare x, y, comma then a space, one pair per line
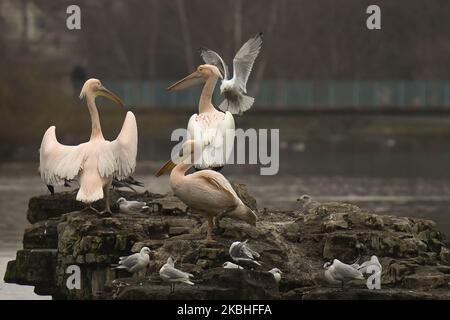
347, 272
212, 57
249, 252
129, 261
136, 205
244, 59
172, 273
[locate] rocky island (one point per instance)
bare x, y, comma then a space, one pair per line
414, 255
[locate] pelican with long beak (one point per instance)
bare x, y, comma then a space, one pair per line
207, 192
95, 162
210, 127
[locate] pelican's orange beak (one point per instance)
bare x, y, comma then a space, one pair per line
102, 91
167, 167
193, 79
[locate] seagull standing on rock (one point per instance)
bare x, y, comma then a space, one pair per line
308, 203
231, 265
169, 273
240, 252
127, 206
135, 263
235, 88
276, 274
341, 273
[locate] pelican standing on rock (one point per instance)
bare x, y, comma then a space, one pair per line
235, 88
210, 127
94, 162
207, 192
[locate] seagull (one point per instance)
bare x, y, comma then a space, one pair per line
308, 203
127, 206
276, 274
231, 265
136, 262
372, 262
127, 183
234, 89
341, 273
169, 273
240, 252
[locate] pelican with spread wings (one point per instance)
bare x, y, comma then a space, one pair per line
95, 162
234, 89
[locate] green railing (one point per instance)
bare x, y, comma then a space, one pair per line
300, 94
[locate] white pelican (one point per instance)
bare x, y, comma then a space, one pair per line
94, 162
214, 129
136, 262
169, 273
234, 89
340, 273
207, 192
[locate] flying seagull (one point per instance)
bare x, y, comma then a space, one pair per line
235, 88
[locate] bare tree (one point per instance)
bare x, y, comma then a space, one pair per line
186, 34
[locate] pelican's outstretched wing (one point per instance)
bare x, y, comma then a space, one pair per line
212, 57
58, 162
244, 59
118, 157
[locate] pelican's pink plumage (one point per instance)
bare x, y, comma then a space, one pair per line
94, 162
207, 192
